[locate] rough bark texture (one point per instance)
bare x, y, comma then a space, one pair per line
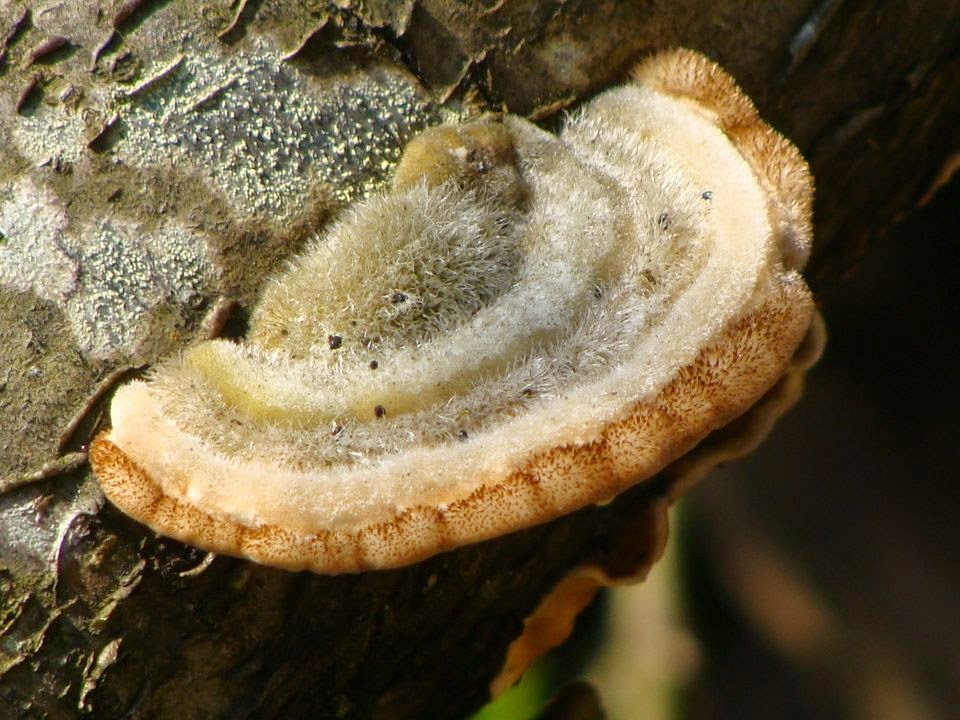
158, 156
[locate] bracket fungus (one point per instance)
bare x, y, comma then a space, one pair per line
522, 325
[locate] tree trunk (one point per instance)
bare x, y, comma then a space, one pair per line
161, 156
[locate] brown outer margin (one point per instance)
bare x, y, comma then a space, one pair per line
725, 380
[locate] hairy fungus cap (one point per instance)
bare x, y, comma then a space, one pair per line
553, 319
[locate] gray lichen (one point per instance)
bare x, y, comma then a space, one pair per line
106, 276
261, 132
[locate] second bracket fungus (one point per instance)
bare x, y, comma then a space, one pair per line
522, 325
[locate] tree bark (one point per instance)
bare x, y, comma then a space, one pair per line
161, 156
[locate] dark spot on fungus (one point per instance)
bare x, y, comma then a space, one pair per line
707, 195
379, 411
374, 364
527, 392
337, 430
478, 162
462, 435
334, 341
398, 297
663, 220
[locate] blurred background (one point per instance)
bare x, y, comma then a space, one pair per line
820, 576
